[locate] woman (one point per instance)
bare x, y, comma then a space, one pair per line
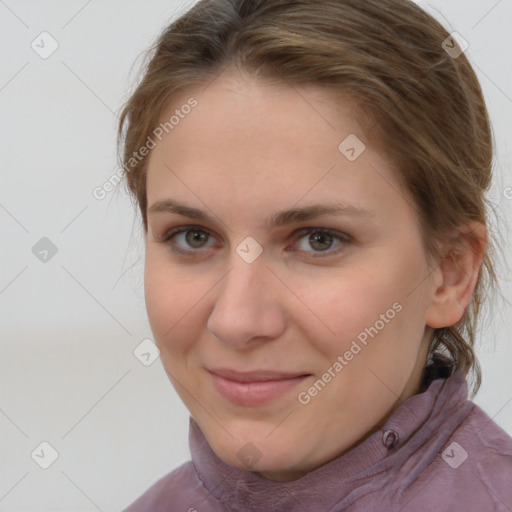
311, 180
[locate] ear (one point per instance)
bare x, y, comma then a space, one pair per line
458, 272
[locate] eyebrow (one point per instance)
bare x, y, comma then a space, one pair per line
278, 219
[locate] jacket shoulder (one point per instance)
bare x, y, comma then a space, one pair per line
472, 470
177, 490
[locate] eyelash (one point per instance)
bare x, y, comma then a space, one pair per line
166, 239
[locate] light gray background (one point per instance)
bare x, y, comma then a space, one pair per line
68, 375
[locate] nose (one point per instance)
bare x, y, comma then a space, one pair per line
247, 305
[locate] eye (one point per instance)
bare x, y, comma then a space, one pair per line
321, 239
191, 236
189, 239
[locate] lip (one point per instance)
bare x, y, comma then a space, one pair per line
256, 387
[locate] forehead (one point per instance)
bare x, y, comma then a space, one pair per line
268, 144
237, 117
242, 93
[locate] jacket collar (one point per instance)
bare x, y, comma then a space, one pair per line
420, 419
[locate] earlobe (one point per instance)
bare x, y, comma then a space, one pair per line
459, 268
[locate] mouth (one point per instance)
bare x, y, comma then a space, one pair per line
256, 387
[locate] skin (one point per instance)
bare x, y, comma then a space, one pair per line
248, 150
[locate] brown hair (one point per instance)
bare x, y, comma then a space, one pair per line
387, 55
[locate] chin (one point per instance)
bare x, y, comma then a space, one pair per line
255, 453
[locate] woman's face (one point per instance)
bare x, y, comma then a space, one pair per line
335, 303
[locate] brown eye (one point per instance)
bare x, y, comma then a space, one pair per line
318, 242
187, 240
321, 240
196, 238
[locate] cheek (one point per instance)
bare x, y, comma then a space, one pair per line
365, 303
336, 310
171, 303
